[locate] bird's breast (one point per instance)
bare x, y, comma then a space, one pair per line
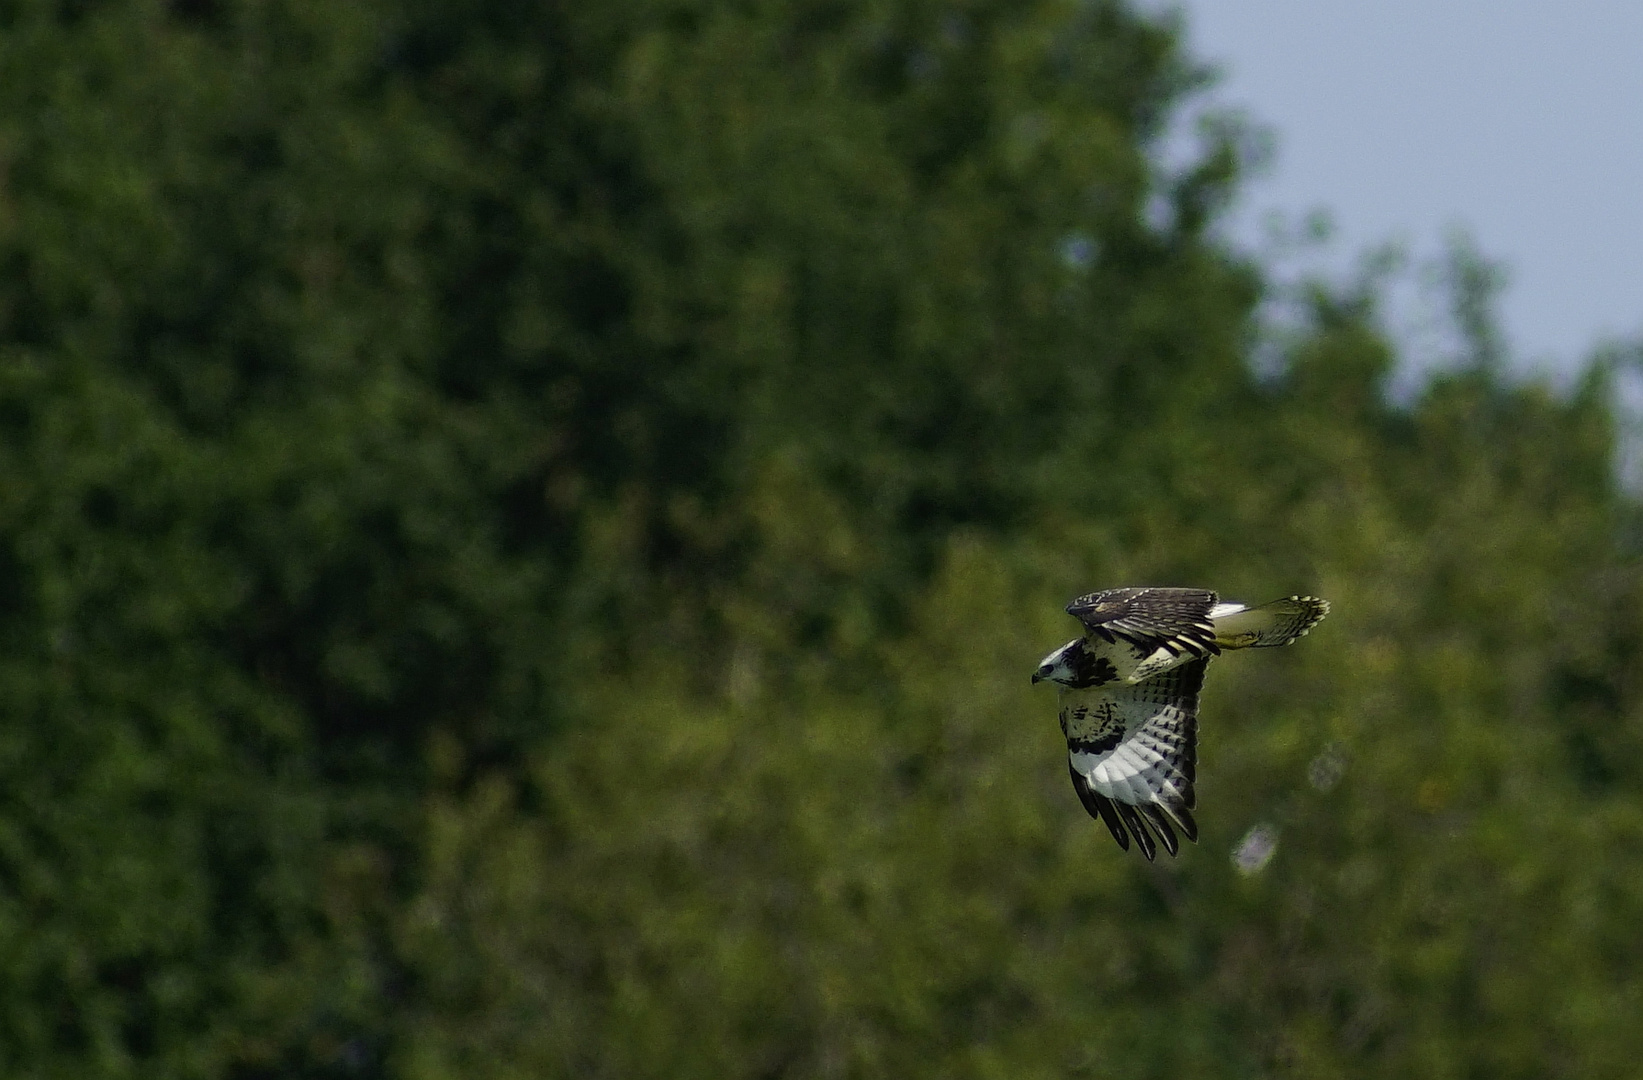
1090, 720
1125, 661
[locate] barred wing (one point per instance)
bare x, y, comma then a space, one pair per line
1169, 618
1132, 752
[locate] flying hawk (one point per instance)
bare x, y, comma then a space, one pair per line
1129, 697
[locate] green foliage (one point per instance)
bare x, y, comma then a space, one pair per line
784, 878
526, 527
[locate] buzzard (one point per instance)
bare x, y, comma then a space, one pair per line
1129, 697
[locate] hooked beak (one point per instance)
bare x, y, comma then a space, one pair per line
1036, 677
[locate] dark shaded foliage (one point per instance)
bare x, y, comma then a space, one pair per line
525, 527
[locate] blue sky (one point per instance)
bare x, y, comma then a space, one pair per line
1520, 122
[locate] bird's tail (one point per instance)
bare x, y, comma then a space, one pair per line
1277, 623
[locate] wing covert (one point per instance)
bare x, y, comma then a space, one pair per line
1157, 617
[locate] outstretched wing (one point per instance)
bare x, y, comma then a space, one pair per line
1176, 620
1132, 751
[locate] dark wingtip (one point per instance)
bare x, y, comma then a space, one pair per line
1109, 817
1132, 818
1160, 825
1098, 806
1183, 818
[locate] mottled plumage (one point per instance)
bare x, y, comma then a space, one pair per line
1129, 698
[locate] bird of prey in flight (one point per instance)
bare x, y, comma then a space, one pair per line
1129, 697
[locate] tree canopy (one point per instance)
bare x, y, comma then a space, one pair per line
525, 529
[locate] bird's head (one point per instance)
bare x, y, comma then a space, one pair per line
1062, 666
